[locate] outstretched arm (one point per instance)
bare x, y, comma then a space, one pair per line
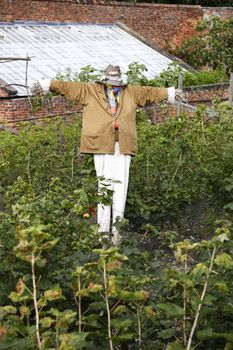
148, 94
73, 91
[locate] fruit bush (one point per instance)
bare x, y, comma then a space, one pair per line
63, 286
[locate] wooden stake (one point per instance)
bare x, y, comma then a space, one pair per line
231, 89
180, 86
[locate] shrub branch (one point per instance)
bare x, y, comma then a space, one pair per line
35, 301
202, 298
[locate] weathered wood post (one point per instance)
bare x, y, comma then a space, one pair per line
231, 89
180, 86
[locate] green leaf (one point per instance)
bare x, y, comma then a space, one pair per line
223, 237
7, 309
94, 288
227, 336
222, 287
121, 323
73, 341
120, 309
224, 260
205, 334
16, 298
64, 318
47, 322
119, 339
200, 270
106, 252
228, 206
50, 244
167, 333
54, 294
171, 310
97, 306
150, 312
94, 320
208, 333
19, 344
175, 346
210, 300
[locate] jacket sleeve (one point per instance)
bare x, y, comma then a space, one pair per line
148, 94
73, 91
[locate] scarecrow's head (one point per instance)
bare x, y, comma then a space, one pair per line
112, 76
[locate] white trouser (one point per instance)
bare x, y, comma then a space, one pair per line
115, 167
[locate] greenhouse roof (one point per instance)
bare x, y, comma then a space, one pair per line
54, 47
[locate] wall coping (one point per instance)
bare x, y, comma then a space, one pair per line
208, 87
122, 3
217, 8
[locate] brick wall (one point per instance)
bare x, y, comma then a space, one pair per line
16, 109
205, 93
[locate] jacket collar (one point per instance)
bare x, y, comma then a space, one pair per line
104, 101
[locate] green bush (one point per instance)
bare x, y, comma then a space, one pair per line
62, 285
136, 75
205, 77
170, 76
213, 47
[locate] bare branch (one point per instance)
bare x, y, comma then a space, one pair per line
204, 291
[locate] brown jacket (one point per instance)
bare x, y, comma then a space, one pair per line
98, 133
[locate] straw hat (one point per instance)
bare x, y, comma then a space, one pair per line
112, 76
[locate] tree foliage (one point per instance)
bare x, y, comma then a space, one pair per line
213, 47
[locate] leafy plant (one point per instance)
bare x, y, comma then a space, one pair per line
87, 73
213, 47
135, 73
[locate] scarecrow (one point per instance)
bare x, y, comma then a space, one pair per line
109, 131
